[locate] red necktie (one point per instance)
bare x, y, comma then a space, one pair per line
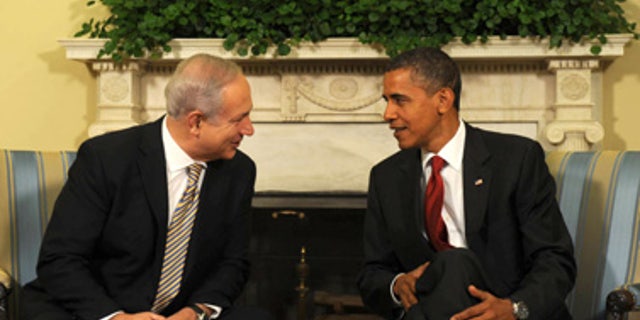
433, 200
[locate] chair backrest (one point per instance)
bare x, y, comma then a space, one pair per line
598, 193
30, 182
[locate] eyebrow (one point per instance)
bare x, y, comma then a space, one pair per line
242, 115
396, 96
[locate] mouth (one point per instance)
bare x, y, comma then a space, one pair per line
397, 130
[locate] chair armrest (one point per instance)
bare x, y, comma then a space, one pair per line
5, 289
622, 300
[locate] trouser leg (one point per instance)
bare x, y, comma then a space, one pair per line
442, 290
245, 313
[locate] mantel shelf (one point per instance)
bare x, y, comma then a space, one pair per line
512, 48
318, 112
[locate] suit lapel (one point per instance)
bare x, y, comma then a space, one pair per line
209, 215
477, 181
152, 166
411, 195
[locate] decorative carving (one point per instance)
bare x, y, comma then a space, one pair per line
161, 69
594, 133
335, 67
105, 66
574, 127
579, 132
502, 67
350, 88
574, 87
343, 88
114, 87
573, 64
512, 84
293, 118
289, 94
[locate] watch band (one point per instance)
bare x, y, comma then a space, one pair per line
199, 312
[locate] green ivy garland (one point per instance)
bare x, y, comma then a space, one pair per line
139, 28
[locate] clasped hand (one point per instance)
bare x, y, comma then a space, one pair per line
183, 314
489, 308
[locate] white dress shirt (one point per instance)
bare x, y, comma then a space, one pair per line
453, 207
177, 162
452, 177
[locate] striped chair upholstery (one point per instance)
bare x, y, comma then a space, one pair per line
29, 184
598, 194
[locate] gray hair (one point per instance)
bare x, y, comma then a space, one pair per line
200, 90
432, 68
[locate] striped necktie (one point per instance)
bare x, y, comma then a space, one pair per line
178, 236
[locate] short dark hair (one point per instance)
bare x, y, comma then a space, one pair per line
431, 67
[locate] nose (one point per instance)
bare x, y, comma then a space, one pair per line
389, 112
247, 127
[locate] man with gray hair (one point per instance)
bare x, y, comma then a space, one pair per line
153, 222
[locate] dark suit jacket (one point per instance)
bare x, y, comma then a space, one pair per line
104, 245
513, 224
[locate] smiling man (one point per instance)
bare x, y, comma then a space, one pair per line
461, 223
153, 221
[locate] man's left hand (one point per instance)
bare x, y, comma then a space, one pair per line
490, 307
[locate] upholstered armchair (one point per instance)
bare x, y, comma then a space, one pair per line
598, 193
5, 287
29, 185
622, 301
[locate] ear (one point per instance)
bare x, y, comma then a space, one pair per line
194, 120
445, 100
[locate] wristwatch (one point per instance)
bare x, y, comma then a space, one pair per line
200, 314
520, 310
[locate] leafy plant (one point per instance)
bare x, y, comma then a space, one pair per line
138, 28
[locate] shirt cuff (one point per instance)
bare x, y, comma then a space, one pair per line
111, 315
393, 295
216, 311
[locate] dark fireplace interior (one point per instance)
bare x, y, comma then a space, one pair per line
306, 251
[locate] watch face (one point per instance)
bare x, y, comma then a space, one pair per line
521, 311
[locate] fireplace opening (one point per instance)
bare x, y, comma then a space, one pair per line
306, 252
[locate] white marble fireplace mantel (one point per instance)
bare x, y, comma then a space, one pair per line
318, 111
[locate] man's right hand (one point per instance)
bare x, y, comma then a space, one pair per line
405, 286
138, 316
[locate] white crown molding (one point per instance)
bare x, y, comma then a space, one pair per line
512, 47
330, 93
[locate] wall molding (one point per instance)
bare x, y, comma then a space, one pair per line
330, 92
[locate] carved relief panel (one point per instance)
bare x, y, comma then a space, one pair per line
318, 113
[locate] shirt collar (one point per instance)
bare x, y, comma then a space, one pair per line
176, 158
452, 151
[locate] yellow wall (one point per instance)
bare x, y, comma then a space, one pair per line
47, 100
621, 118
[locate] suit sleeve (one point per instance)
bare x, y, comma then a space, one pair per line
548, 250
224, 283
381, 264
76, 223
